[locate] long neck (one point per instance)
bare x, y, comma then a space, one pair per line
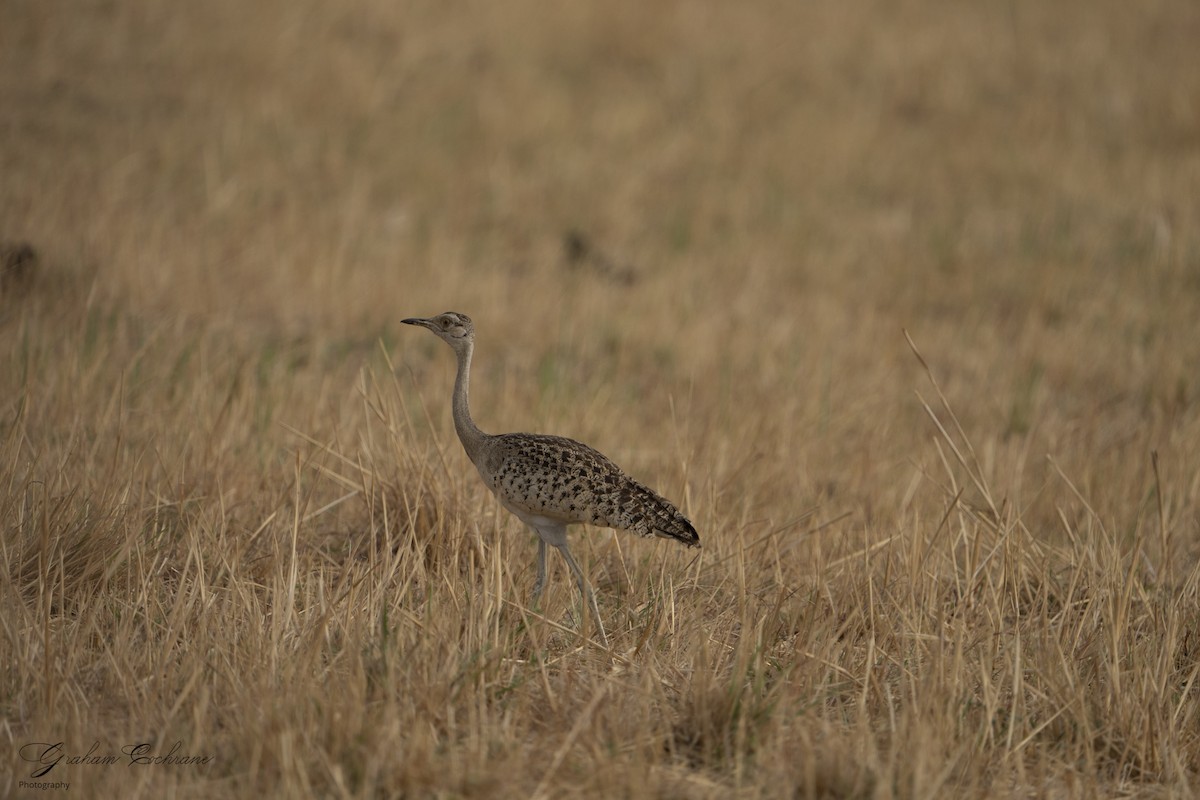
470, 436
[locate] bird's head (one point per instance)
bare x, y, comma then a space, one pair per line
453, 328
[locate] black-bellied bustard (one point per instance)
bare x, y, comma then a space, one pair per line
551, 482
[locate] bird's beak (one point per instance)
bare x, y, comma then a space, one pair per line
424, 323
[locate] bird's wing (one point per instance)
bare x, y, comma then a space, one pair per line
562, 479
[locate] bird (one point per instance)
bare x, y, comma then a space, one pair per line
551, 482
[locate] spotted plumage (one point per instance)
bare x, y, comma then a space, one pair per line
559, 478
551, 482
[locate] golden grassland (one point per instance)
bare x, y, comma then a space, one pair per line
235, 516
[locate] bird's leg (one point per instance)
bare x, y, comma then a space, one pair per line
585, 590
541, 570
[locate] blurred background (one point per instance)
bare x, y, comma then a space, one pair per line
743, 202
733, 210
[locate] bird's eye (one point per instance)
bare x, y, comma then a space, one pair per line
445, 322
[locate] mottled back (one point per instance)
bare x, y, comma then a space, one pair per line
562, 479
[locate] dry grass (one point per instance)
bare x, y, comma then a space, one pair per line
235, 515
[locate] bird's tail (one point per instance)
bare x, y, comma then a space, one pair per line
651, 514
